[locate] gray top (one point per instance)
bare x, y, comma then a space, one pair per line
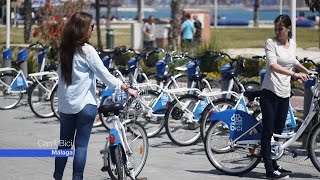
149, 28
277, 54
82, 91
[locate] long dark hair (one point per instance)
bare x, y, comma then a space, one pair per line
285, 21
74, 36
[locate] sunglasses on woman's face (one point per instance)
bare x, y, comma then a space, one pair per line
92, 27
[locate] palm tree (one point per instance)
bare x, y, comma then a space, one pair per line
27, 21
256, 13
97, 7
176, 17
140, 3
314, 5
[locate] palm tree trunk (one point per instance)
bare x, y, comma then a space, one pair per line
176, 16
27, 21
97, 7
256, 13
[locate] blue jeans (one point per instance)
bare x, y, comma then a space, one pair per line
274, 114
75, 128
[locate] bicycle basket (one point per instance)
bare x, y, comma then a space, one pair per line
121, 56
209, 62
247, 67
152, 59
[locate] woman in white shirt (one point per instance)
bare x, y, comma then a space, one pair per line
79, 63
280, 67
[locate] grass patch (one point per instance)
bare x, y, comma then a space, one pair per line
224, 37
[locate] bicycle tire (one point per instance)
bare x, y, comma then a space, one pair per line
38, 98
138, 140
182, 82
180, 131
220, 104
252, 85
313, 146
54, 102
153, 125
215, 85
8, 101
116, 170
218, 150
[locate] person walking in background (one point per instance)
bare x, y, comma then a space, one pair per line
274, 99
198, 29
187, 31
79, 62
148, 29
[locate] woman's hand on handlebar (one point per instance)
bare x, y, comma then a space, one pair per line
133, 92
301, 76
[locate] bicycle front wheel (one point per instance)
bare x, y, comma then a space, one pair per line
139, 145
152, 124
225, 158
116, 170
314, 146
39, 98
220, 104
8, 100
180, 126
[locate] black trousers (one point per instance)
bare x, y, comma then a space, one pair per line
274, 113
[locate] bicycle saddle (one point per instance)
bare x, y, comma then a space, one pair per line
251, 94
109, 108
197, 77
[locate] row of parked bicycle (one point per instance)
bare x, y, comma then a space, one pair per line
224, 114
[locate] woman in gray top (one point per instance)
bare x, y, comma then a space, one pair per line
280, 67
79, 63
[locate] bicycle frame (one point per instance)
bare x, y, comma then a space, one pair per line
19, 84
36, 77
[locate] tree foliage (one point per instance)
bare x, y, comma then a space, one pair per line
52, 20
314, 5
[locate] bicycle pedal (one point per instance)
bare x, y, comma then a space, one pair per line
293, 153
104, 168
103, 151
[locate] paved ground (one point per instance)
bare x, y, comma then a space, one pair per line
19, 128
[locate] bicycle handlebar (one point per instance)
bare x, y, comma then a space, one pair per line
38, 44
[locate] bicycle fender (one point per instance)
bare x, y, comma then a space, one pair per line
113, 158
238, 123
115, 133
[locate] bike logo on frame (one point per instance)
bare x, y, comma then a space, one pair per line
236, 123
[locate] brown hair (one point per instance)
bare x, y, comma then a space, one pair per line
74, 36
285, 21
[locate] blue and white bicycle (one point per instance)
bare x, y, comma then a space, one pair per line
232, 142
126, 147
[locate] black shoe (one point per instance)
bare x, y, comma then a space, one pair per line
280, 169
276, 175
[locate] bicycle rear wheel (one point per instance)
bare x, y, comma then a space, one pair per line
225, 158
8, 100
181, 82
39, 98
180, 128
